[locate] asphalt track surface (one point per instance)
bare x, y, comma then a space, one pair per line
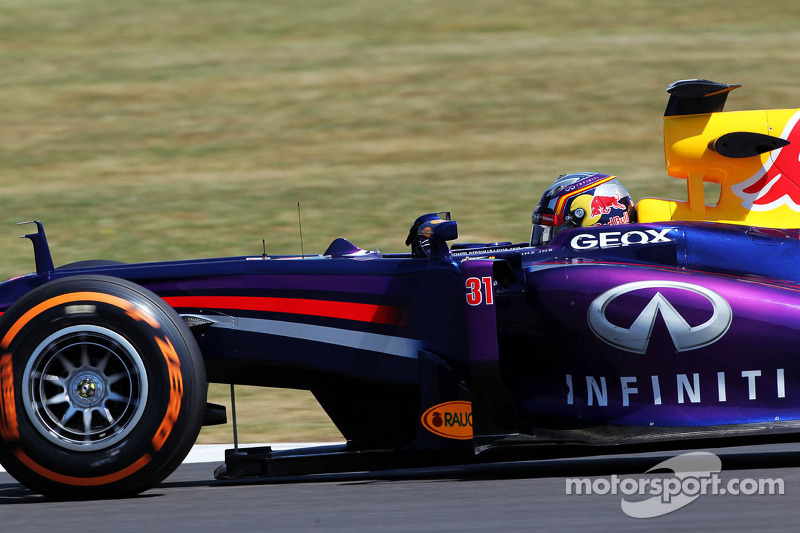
526, 495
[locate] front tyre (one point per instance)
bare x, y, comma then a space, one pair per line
102, 388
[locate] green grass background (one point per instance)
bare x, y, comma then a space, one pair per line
152, 129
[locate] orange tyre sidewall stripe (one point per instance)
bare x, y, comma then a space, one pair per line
130, 308
81, 481
9, 428
175, 393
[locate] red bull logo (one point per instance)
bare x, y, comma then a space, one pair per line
602, 205
777, 183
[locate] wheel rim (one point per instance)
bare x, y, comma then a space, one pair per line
84, 388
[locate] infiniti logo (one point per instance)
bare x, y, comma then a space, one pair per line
637, 337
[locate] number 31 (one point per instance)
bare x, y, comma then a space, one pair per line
474, 292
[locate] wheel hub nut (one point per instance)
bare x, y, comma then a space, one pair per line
86, 388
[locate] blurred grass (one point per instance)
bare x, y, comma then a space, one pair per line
270, 415
153, 130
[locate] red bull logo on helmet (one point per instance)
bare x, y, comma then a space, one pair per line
602, 205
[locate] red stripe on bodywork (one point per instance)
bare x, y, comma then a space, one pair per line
380, 314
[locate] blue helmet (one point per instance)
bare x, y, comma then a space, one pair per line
582, 199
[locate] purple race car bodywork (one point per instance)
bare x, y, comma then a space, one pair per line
652, 333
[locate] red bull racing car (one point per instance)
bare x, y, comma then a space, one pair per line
659, 325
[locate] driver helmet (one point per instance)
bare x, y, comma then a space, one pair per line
582, 199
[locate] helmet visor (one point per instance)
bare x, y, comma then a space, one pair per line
541, 234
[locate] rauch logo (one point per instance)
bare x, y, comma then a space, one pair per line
451, 420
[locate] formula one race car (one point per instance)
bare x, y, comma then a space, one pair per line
677, 329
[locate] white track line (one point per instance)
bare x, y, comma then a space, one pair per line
209, 453
215, 453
